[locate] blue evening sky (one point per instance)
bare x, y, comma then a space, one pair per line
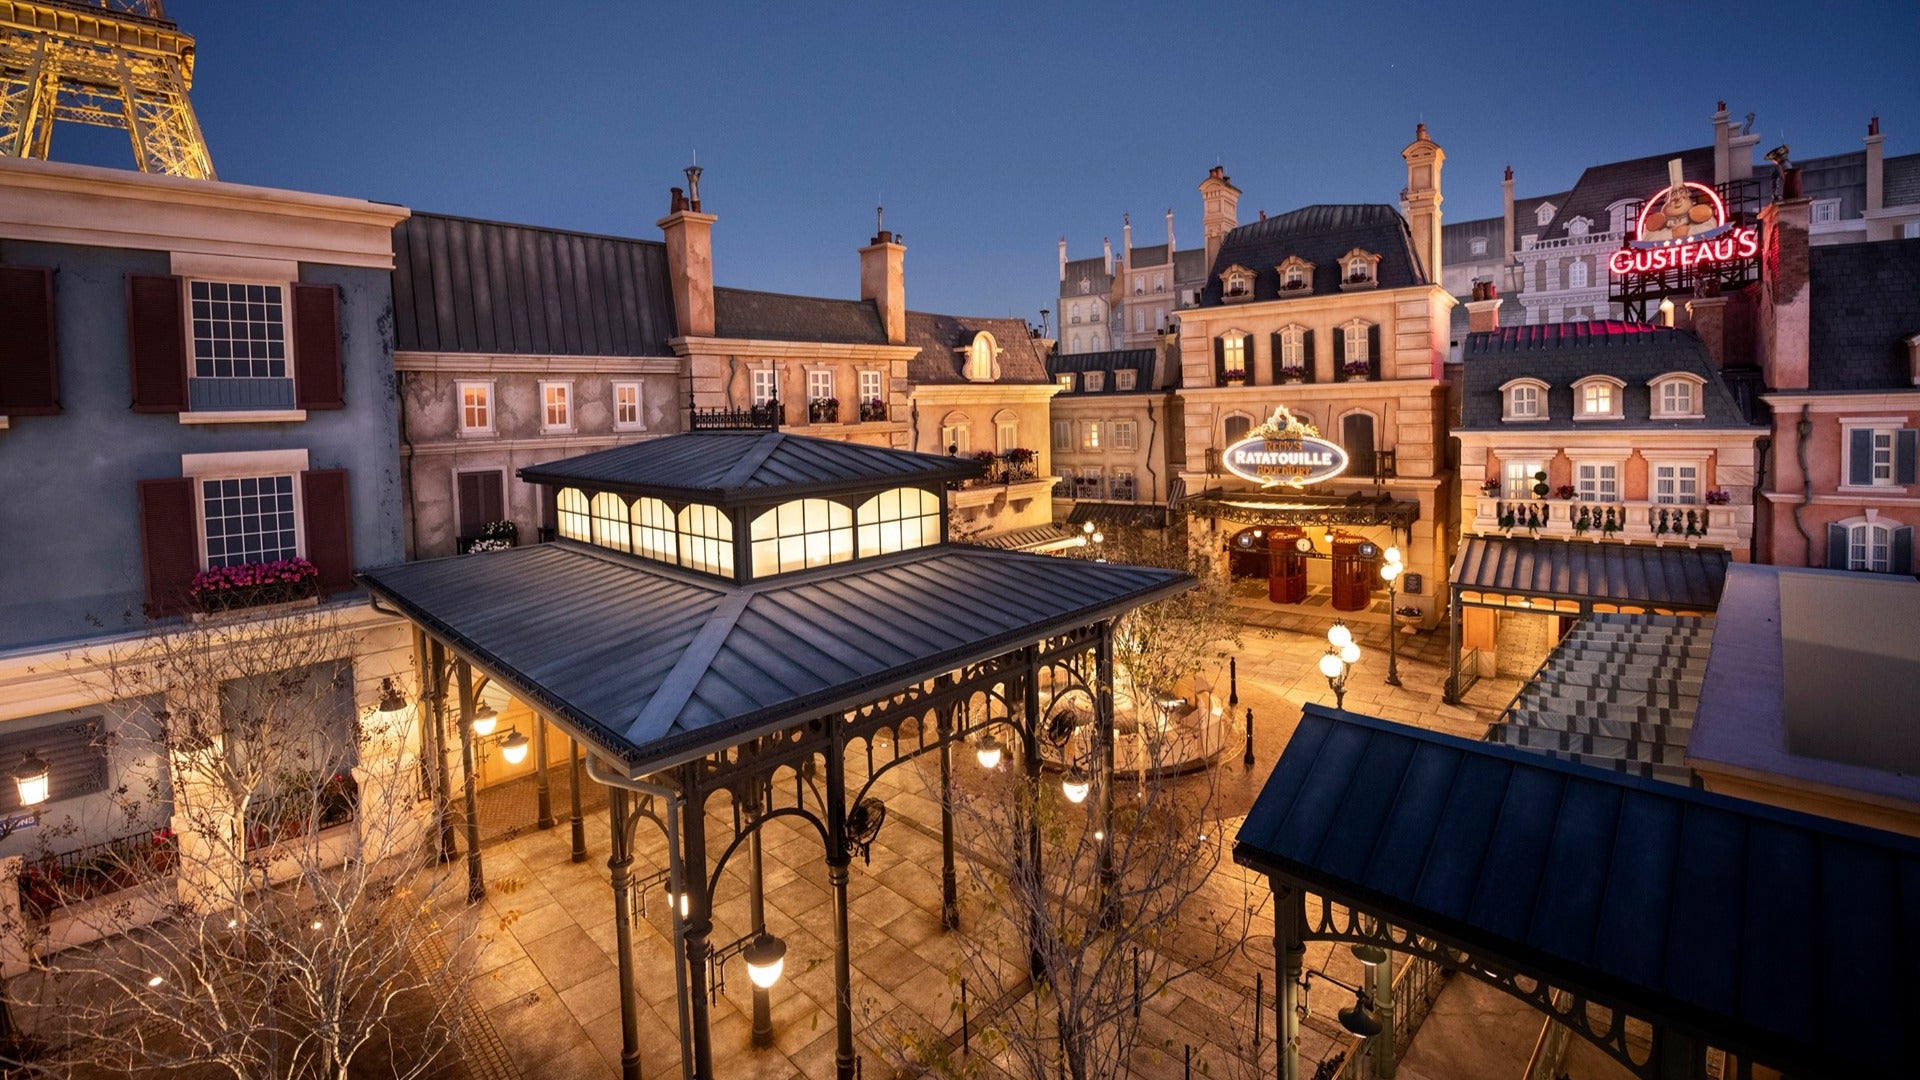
991, 129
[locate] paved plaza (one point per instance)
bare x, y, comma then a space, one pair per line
547, 994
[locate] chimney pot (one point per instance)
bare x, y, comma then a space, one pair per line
1420, 133
1873, 126
1790, 187
678, 202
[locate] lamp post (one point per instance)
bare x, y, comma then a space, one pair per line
1342, 653
1392, 571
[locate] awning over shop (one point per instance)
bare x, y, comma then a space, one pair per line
1785, 938
1298, 509
1040, 539
654, 666
1107, 515
1583, 572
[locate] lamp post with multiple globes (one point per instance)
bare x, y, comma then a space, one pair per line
1391, 571
1342, 653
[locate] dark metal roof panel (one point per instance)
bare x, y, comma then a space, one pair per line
1320, 234
1666, 577
732, 467
466, 286
1138, 361
1561, 354
1760, 928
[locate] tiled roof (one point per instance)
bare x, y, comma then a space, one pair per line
1900, 180
1189, 265
733, 467
1526, 213
1138, 361
1321, 235
741, 313
1865, 305
1667, 577
1601, 186
1561, 354
652, 667
467, 286
939, 337
1142, 257
1770, 930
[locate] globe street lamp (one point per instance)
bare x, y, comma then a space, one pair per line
1342, 653
1392, 571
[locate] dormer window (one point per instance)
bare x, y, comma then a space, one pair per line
1123, 380
1296, 274
1579, 226
1358, 269
1479, 245
1597, 397
1096, 381
1066, 383
1543, 214
982, 357
1524, 400
1677, 397
1236, 283
1085, 286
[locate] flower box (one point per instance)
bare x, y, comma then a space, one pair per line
823, 410
248, 585
874, 410
1293, 374
1357, 369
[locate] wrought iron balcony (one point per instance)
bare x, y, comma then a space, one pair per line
1626, 522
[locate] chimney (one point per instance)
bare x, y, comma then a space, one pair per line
1740, 151
1506, 214
1876, 165
1126, 240
1106, 253
1170, 233
1722, 144
883, 280
1063, 260
1785, 314
1220, 203
1483, 311
1424, 159
1708, 314
689, 239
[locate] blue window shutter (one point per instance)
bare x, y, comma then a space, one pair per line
1219, 361
1836, 547
1903, 550
1906, 447
1307, 354
1373, 350
1860, 456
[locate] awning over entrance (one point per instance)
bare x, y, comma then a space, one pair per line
1784, 938
1636, 575
1109, 515
1040, 539
656, 666
1296, 508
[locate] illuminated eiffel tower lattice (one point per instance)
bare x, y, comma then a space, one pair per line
112, 63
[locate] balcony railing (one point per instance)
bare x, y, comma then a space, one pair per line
55, 881
1610, 239
1645, 522
1013, 467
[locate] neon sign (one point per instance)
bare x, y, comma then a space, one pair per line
1682, 228
1285, 450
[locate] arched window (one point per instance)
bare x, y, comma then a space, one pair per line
1577, 274
653, 530
1296, 276
1597, 397
980, 356
1357, 269
1356, 437
1076, 313
799, 534
1873, 544
1006, 430
1236, 427
571, 509
1677, 396
1293, 347
897, 520
1578, 226
1524, 399
706, 539
610, 526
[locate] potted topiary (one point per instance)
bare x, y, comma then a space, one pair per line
1540, 485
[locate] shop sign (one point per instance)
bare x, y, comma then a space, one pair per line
1285, 450
1684, 227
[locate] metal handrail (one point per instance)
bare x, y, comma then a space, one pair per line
1527, 683
1465, 682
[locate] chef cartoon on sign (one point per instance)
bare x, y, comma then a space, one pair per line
1680, 213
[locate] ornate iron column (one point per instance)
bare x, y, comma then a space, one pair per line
545, 820
1103, 746
620, 865
838, 859
1452, 694
1386, 1051
436, 682
757, 916
949, 881
578, 822
1289, 956
476, 881
699, 922
1030, 763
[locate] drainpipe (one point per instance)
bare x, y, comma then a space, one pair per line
620, 863
1153, 433
1804, 429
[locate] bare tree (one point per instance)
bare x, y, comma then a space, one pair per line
289, 920
1159, 648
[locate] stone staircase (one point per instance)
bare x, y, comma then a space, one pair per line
1618, 692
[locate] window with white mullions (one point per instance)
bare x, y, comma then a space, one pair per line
1675, 483
1518, 478
1597, 482
249, 519
239, 331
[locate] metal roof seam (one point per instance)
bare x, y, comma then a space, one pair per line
660, 711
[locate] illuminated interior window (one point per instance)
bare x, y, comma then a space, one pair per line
610, 528
1518, 478
571, 504
800, 534
896, 520
706, 539
653, 531
980, 358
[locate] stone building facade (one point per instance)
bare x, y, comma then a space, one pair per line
1116, 433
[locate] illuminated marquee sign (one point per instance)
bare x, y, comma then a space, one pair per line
1285, 450
1683, 227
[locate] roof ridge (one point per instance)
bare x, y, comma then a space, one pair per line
419, 214
790, 296
664, 707
750, 462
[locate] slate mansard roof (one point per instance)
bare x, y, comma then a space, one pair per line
1320, 235
730, 468
1600, 186
748, 315
1560, 354
1094, 271
1138, 361
1865, 305
466, 286
940, 339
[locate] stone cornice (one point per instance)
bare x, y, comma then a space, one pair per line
473, 364
55, 202
998, 393
753, 348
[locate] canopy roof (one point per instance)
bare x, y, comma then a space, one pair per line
655, 666
1765, 932
1666, 577
734, 467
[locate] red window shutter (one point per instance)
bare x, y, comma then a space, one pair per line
329, 525
157, 343
29, 363
318, 381
169, 543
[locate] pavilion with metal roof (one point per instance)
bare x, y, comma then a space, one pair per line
1784, 940
726, 613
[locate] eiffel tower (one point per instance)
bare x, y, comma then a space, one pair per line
113, 63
